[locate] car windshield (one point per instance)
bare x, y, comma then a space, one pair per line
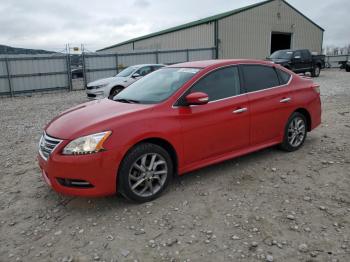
127, 71
157, 86
282, 54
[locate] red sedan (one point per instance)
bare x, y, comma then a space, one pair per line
175, 120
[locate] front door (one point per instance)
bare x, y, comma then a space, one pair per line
220, 126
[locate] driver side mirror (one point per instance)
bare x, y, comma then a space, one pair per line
197, 98
135, 75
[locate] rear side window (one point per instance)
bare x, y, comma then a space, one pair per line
154, 68
284, 76
305, 54
219, 84
258, 77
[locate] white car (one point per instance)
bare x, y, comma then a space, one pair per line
109, 87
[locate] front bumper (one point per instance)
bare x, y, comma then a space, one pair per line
92, 175
95, 94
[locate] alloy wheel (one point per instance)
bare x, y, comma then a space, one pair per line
296, 131
148, 174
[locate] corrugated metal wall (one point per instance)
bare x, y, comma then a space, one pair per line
4, 83
248, 34
200, 36
30, 73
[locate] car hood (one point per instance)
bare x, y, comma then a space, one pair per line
279, 60
109, 80
91, 117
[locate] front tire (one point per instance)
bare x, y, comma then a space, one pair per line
347, 68
145, 172
114, 92
295, 132
316, 71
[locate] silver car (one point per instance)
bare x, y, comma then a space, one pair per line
109, 87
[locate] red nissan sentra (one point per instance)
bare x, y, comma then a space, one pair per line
175, 120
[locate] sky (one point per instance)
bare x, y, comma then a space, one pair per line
48, 24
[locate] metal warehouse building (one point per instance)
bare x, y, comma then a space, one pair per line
254, 31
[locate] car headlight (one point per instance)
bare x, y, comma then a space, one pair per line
100, 86
87, 144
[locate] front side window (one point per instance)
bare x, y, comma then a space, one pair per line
297, 54
156, 87
219, 84
282, 54
144, 70
258, 77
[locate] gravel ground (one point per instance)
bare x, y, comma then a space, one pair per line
267, 206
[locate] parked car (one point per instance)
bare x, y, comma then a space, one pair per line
175, 120
299, 61
77, 73
109, 87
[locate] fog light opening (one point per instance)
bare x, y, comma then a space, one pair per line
76, 183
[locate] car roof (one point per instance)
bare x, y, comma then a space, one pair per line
220, 62
142, 65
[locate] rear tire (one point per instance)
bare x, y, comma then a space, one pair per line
114, 92
145, 172
295, 132
347, 68
316, 71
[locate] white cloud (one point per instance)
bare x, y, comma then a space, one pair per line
49, 24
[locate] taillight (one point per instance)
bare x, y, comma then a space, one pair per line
316, 87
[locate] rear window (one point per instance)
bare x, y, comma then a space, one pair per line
259, 77
284, 76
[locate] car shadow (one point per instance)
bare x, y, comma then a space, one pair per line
117, 203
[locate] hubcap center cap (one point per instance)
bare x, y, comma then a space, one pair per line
149, 174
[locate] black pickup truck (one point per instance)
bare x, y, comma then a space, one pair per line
299, 61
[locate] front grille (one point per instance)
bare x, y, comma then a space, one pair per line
91, 95
47, 144
90, 87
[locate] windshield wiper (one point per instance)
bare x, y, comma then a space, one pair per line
129, 101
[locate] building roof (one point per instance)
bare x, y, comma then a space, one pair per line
205, 21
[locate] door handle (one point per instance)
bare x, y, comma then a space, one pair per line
241, 110
285, 100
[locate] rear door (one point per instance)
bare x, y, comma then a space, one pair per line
297, 61
306, 59
269, 102
220, 126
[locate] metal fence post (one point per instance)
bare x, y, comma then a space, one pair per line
69, 72
8, 75
157, 56
84, 70
187, 55
117, 62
